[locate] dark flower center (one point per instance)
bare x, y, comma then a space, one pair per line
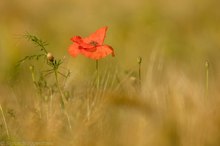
94, 43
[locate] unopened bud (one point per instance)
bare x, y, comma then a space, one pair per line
31, 67
139, 60
207, 64
50, 57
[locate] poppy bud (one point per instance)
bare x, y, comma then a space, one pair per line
50, 57
139, 60
207, 64
31, 68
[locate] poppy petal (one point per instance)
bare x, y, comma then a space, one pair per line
101, 52
80, 42
77, 39
74, 50
97, 36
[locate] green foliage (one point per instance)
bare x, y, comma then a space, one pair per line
40, 80
39, 43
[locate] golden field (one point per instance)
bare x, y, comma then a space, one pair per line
176, 103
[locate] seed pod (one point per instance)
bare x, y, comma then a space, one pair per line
50, 57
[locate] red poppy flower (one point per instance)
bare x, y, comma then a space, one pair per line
92, 46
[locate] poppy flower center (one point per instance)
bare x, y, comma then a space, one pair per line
94, 43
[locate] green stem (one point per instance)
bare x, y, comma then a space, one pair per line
88, 109
6, 127
34, 78
207, 77
139, 74
139, 60
61, 93
44, 49
39, 89
97, 65
97, 71
62, 98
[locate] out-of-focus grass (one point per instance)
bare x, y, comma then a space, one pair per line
173, 110
174, 38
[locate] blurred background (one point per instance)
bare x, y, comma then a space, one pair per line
176, 104
180, 32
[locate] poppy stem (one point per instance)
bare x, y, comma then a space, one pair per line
207, 77
139, 60
97, 71
97, 65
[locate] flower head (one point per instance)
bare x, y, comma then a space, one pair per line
50, 57
92, 46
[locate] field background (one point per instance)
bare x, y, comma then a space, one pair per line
174, 106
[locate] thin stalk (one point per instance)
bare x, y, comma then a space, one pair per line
97, 71
6, 127
139, 73
43, 48
34, 78
37, 87
139, 60
207, 76
51, 101
62, 98
68, 119
32, 73
61, 93
88, 109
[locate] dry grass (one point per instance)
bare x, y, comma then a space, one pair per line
173, 110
